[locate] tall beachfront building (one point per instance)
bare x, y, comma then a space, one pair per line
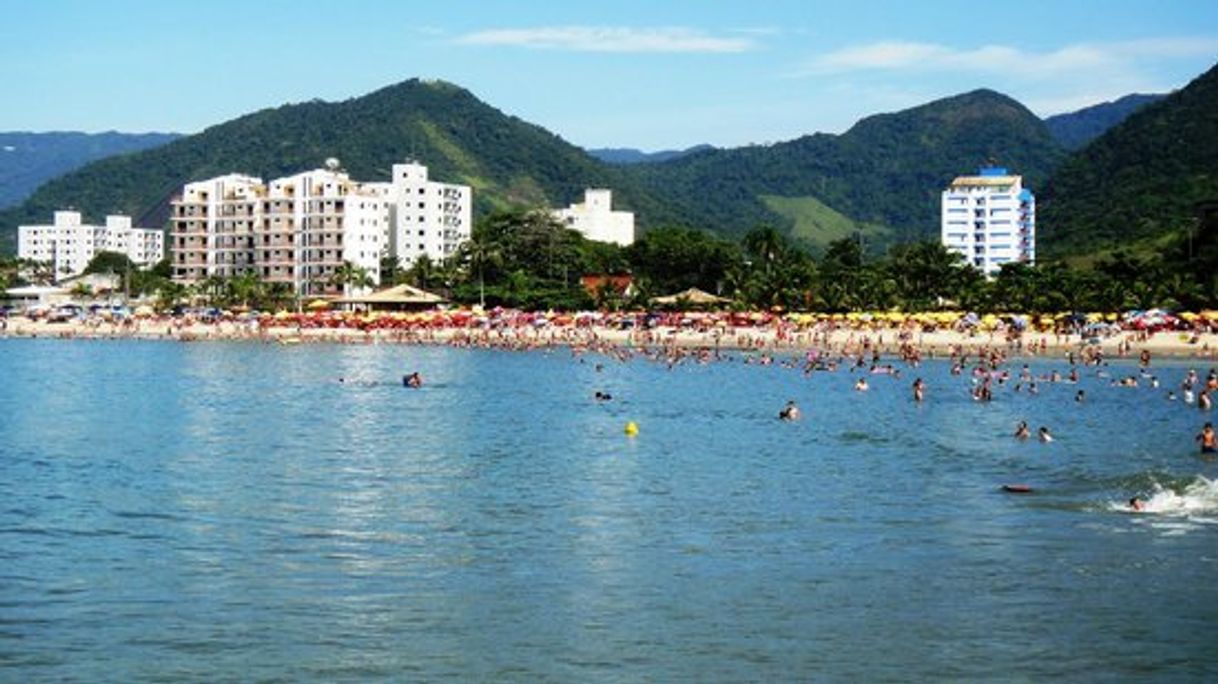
596, 219
301, 229
428, 218
70, 244
990, 218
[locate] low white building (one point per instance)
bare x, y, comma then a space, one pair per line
596, 219
70, 244
990, 218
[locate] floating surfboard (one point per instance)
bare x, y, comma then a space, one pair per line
1017, 488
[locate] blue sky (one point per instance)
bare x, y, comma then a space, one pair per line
626, 73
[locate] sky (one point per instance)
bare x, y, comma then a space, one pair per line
651, 74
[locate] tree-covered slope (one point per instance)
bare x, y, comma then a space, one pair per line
460, 138
883, 177
27, 160
1074, 130
888, 170
1139, 180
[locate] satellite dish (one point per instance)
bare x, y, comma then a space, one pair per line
332, 164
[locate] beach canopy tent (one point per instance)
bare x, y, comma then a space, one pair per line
691, 297
397, 298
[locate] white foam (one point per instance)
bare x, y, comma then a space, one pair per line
1197, 498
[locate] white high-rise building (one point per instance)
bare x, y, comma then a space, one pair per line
429, 218
302, 228
596, 219
70, 244
990, 218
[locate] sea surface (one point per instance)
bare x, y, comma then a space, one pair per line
207, 512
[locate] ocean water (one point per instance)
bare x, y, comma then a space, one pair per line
233, 512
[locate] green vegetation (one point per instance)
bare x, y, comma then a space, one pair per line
1075, 129
27, 160
881, 180
816, 225
888, 170
510, 162
1140, 180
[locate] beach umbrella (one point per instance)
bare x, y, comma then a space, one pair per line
144, 311
318, 305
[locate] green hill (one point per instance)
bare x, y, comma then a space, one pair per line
460, 138
27, 160
886, 172
882, 178
1140, 180
1075, 129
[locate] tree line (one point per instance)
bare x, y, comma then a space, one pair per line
527, 259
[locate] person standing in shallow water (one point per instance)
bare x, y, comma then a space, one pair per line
919, 389
1207, 439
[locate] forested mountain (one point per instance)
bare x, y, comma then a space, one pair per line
629, 155
1076, 129
27, 160
882, 178
461, 139
1138, 181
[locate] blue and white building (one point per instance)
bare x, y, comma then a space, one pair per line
990, 218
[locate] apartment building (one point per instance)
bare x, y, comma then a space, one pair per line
70, 244
990, 218
429, 218
300, 229
596, 219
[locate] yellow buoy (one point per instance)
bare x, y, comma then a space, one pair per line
632, 428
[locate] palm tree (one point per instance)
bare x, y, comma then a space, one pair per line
478, 253
351, 277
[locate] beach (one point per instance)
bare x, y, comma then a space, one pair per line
827, 338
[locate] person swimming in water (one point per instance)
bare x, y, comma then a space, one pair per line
1021, 430
861, 385
413, 380
919, 389
1135, 504
1207, 439
1044, 435
789, 412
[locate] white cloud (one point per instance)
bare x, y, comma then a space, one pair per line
932, 57
608, 39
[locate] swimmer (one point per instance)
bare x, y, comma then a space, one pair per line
1203, 400
861, 385
789, 412
919, 389
1044, 435
413, 380
603, 396
1135, 504
1021, 430
1207, 439
1080, 396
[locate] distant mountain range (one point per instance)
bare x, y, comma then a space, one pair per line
27, 160
879, 181
629, 155
1076, 129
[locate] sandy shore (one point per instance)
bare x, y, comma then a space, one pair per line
938, 343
